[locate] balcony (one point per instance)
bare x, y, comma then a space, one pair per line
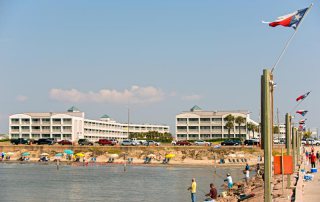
193, 122
181, 122
15, 122
193, 130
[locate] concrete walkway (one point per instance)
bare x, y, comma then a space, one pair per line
311, 189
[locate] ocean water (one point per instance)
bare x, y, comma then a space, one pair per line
34, 182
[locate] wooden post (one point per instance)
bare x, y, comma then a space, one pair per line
288, 144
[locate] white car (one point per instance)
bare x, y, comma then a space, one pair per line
128, 143
202, 143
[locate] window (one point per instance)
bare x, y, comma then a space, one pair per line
35, 136
193, 127
14, 127
216, 127
216, 135
205, 127
45, 127
25, 136
15, 120
182, 127
181, 119
56, 135
45, 120
25, 127
67, 135
216, 119
67, 127
35, 127
194, 119
205, 119
14, 135
25, 120
45, 135
66, 120
35, 120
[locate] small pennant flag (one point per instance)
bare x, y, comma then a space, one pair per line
302, 97
302, 128
302, 112
302, 122
290, 20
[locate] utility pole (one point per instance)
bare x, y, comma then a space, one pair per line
288, 144
278, 124
294, 148
267, 125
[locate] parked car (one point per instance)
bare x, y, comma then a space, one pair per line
151, 142
129, 143
84, 142
231, 142
202, 143
251, 142
19, 141
45, 141
173, 142
103, 142
183, 143
65, 142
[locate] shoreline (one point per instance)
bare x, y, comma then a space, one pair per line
80, 164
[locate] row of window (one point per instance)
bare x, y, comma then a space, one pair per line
201, 119
37, 136
42, 121
210, 136
207, 127
42, 127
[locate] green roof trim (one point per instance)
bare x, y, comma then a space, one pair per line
73, 109
105, 117
195, 108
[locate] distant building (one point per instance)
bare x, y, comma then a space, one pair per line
73, 125
199, 124
282, 130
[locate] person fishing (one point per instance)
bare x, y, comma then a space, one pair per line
212, 194
229, 180
193, 190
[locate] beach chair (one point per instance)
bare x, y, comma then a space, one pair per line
238, 161
233, 160
111, 160
130, 160
229, 160
242, 160
245, 160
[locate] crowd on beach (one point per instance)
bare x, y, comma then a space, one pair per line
212, 195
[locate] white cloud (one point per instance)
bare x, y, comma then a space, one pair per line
135, 94
192, 97
22, 98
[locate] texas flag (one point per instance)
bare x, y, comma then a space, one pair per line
302, 112
302, 97
302, 128
290, 20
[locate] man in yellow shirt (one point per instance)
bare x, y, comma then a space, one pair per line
193, 190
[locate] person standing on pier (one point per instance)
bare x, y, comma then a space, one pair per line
193, 190
313, 160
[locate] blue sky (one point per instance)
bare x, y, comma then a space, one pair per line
162, 57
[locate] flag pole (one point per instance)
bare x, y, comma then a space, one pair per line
289, 41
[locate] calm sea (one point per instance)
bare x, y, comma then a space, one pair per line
33, 182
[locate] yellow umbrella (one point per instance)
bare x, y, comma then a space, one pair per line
169, 156
80, 154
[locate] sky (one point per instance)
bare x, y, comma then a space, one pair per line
157, 58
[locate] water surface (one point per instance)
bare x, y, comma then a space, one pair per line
34, 182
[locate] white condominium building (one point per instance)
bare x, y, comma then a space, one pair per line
199, 124
73, 125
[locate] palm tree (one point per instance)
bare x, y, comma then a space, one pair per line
240, 120
230, 123
250, 127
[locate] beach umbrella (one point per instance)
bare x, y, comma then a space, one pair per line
44, 154
80, 154
114, 155
25, 154
59, 155
169, 156
151, 156
68, 151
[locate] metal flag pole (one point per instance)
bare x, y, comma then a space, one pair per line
289, 41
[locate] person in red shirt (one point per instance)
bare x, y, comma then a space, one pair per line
313, 160
213, 193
